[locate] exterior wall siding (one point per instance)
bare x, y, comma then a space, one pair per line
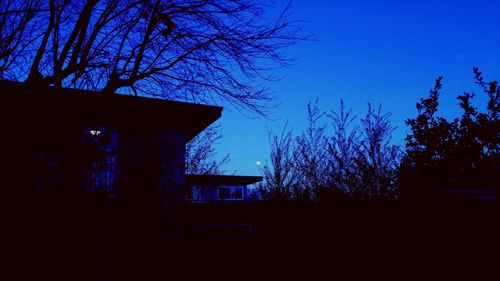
152, 163
210, 194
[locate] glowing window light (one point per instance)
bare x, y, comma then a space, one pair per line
95, 132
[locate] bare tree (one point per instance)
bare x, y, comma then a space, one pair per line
342, 147
280, 178
310, 155
200, 153
359, 162
362, 160
198, 50
377, 160
17, 32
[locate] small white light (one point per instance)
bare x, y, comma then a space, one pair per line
95, 132
258, 163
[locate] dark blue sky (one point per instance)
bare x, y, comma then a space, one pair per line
382, 52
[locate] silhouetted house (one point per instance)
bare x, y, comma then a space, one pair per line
62, 141
98, 181
218, 188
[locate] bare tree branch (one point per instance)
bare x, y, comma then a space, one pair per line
216, 51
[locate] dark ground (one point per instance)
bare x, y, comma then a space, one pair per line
98, 239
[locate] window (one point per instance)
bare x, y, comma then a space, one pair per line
230, 193
78, 158
194, 193
99, 160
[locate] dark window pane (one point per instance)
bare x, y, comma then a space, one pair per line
224, 193
196, 193
237, 193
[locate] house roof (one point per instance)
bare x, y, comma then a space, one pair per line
21, 102
221, 180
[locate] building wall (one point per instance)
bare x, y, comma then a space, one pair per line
151, 163
41, 157
19, 156
210, 193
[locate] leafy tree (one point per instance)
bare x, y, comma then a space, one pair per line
462, 153
199, 50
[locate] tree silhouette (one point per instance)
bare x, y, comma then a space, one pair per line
310, 156
358, 162
362, 161
462, 153
377, 160
200, 153
280, 177
342, 150
198, 50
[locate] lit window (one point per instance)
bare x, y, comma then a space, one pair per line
99, 149
87, 163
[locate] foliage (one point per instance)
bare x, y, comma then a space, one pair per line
461, 153
198, 50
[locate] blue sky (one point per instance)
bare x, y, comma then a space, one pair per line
382, 52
